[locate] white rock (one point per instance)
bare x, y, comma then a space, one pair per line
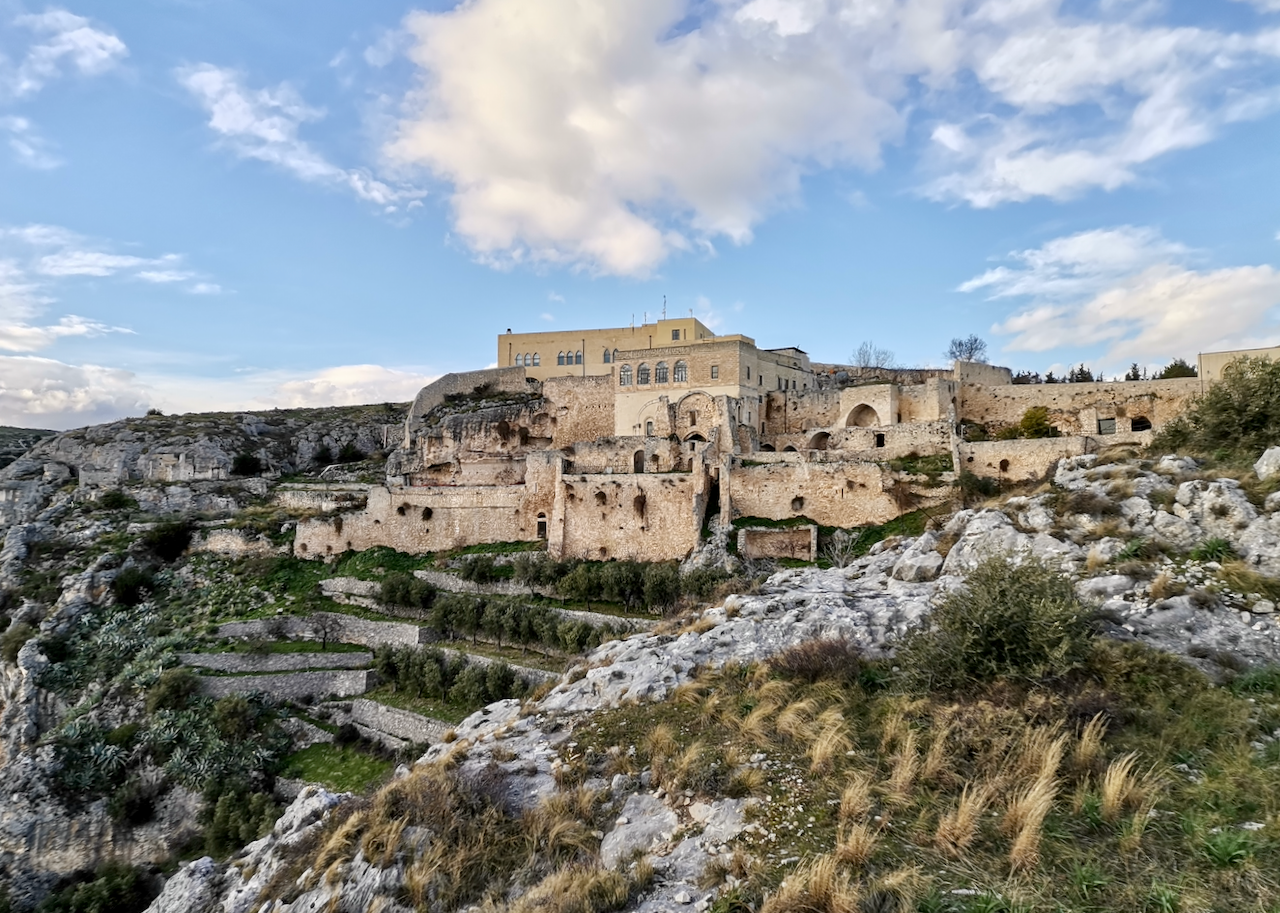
648, 820
1268, 465
1272, 503
1104, 587
1263, 607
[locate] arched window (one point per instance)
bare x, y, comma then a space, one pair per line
648, 428
559, 358
579, 361
519, 360
624, 376
607, 359
642, 374
681, 374
615, 354
660, 373
537, 360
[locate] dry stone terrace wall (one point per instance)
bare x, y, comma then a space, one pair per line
1018, 460
1158, 401
354, 630
650, 517
321, 496
290, 686
275, 662
400, 723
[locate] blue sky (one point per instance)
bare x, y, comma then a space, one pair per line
224, 204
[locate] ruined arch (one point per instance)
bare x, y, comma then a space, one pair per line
1140, 423
788, 449
767, 448
819, 441
863, 416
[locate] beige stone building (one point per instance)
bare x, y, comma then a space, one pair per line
664, 428
1210, 364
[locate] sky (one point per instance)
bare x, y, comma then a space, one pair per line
223, 204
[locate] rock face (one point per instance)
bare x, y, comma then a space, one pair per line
1268, 465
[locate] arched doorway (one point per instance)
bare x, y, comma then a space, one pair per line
637, 461
819, 441
863, 416
542, 526
788, 449
1141, 423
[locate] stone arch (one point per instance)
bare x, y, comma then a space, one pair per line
1141, 423
767, 448
695, 436
862, 416
819, 441
637, 461
788, 449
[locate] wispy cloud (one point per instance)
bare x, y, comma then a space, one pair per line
1135, 292
29, 148
62, 42
264, 124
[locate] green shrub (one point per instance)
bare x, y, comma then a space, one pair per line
116, 888
1238, 417
661, 586
236, 817
977, 486
1213, 550
132, 804
407, 590
115, 499
132, 585
479, 569
13, 639
350, 453
168, 540
173, 690
324, 456
246, 464
1020, 622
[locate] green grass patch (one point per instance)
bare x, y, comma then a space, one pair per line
445, 711
339, 769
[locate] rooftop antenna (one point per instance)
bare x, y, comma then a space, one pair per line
664, 307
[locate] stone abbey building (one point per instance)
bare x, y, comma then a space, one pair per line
625, 443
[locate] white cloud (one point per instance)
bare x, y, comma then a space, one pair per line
205, 288
549, 318
348, 385
263, 124
608, 136
164, 276
42, 392
1132, 290
88, 263
20, 337
65, 42
26, 144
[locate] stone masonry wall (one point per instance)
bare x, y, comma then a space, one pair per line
798, 542
580, 408
1159, 401
275, 662
647, 517
400, 723
844, 494
354, 630
290, 686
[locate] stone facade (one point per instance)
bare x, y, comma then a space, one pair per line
622, 456
798, 542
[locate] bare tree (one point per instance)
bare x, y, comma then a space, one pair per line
972, 348
843, 547
870, 355
326, 627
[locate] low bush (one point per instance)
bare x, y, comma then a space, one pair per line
236, 817
13, 639
480, 569
408, 591
1022, 622
349, 453
838, 660
115, 888
132, 585
173, 690
1237, 418
246, 464
115, 499
169, 540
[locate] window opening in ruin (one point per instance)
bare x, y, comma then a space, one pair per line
681, 373
693, 418
542, 526
660, 373
1141, 423
748, 373
767, 448
695, 439
863, 416
819, 441
560, 358
607, 357
788, 449
426, 513
578, 357
615, 354
637, 461
648, 428
715, 372
642, 374
624, 376
1004, 465
1106, 426
601, 498
879, 440
638, 504
537, 360
797, 503
519, 361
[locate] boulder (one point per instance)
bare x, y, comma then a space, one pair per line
920, 562
1104, 587
1268, 465
644, 824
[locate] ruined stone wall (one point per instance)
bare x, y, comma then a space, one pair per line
875, 444
419, 520
968, 373
798, 542
788, 412
927, 402
871, 406
614, 454
1017, 461
844, 494
649, 517
579, 408
289, 686
320, 496
1158, 401
509, 380
352, 630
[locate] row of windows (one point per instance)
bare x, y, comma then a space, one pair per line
679, 375
528, 361
569, 358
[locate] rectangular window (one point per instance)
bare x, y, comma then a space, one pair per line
748, 373
1106, 426
715, 372
675, 334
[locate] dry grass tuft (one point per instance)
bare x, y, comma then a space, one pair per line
855, 801
819, 887
381, 841
1025, 821
1084, 757
575, 889
936, 758
906, 765
796, 720
1119, 786
340, 846
958, 828
855, 844
831, 742
1165, 586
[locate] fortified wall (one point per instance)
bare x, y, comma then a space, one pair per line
629, 453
